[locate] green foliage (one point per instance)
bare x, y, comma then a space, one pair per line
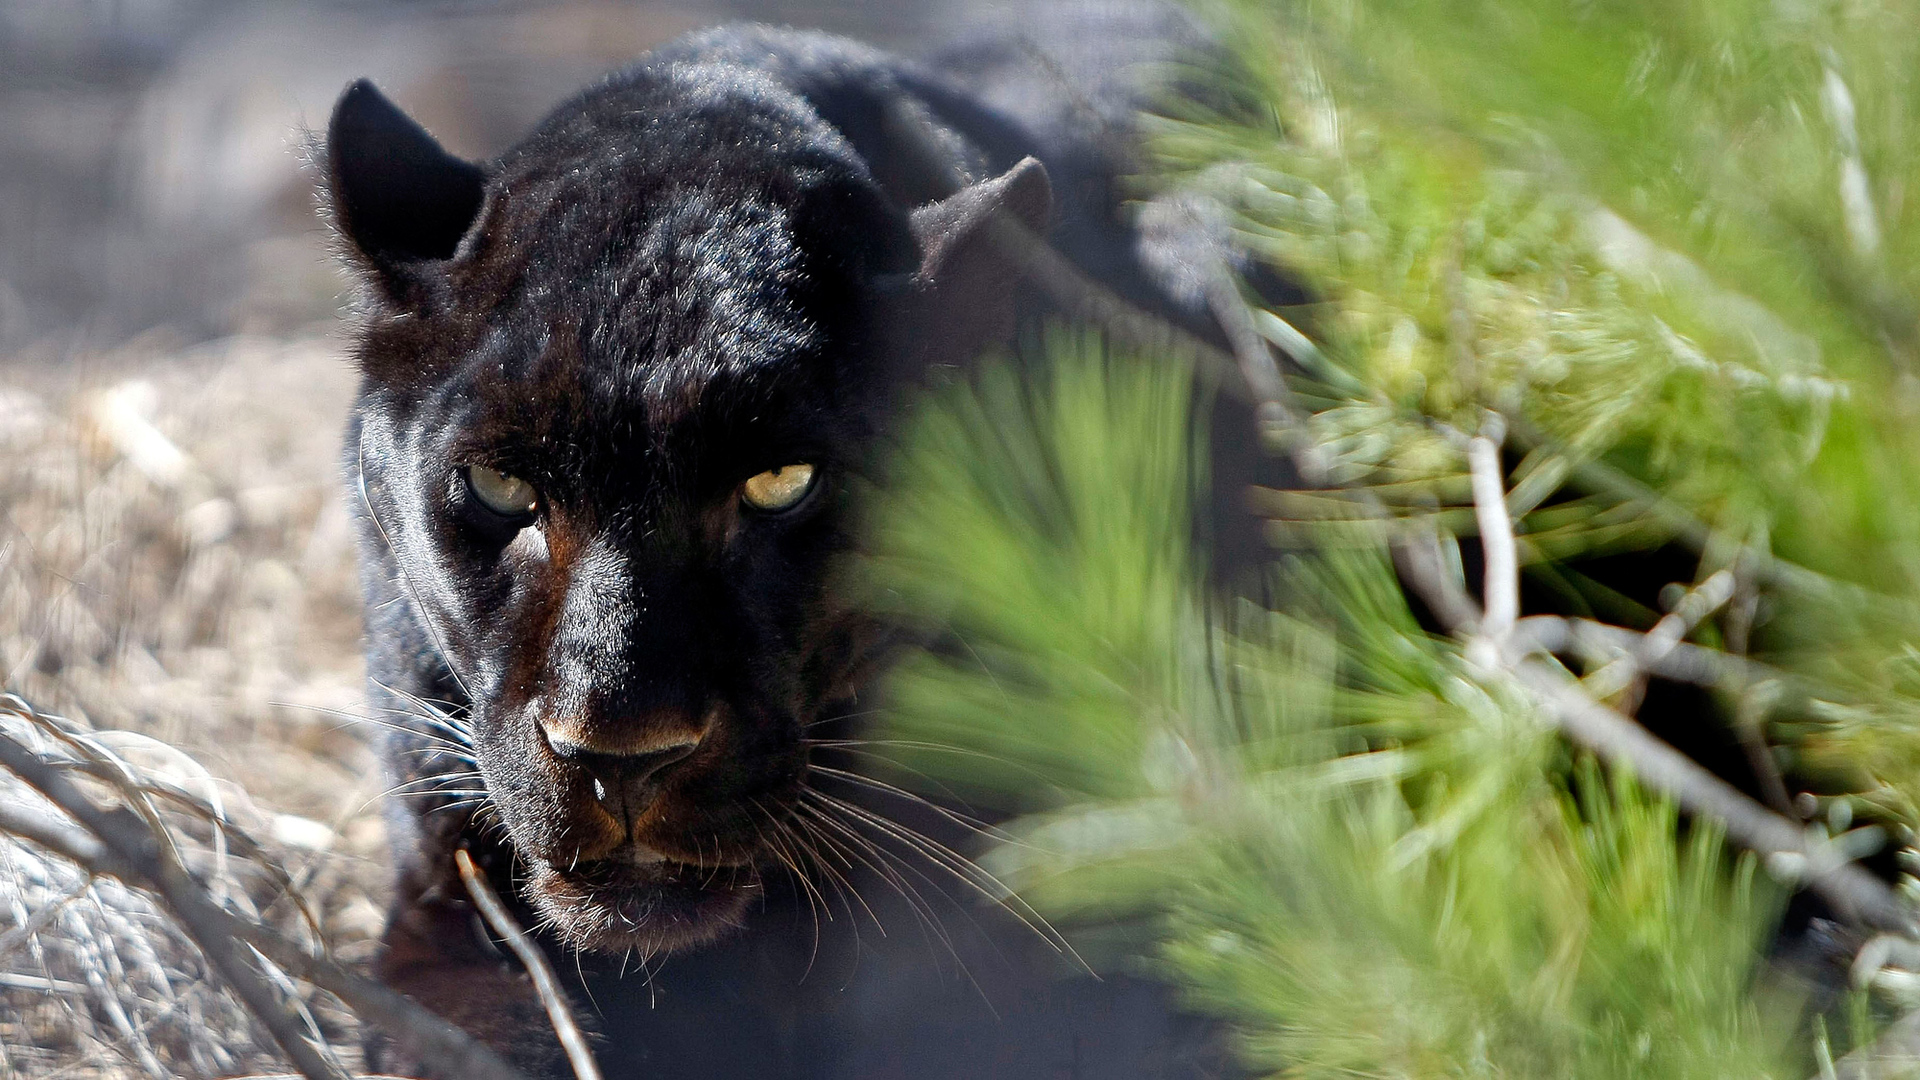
1582, 940
1670, 240
1368, 854
1670, 244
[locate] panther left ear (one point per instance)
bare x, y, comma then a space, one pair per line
397, 197
963, 295
955, 234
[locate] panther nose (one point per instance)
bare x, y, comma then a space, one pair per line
625, 783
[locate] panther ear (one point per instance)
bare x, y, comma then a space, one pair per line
954, 234
971, 264
398, 198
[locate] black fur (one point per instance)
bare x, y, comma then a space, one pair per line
722, 261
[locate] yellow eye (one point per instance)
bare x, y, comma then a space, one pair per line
508, 496
778, 489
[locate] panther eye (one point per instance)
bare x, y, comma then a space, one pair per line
508, 496
778, 489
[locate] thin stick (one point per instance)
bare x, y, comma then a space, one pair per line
1502, 588
1626, 673
1682, 662
1622, 742
572, 1040
447, 1049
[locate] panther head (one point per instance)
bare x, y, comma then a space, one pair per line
618, 387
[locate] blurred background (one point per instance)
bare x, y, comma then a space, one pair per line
152, 152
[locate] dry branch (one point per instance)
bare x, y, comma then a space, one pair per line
572, 1039
1622, 742
120, 843
1496, 531
136, 847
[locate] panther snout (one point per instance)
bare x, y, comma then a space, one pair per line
627, 778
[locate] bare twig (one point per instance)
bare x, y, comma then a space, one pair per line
1681, 662
139, 791
1699, 602
1502, 589
46, 831
1755, 686
1750, 719
1793, 850
1626, 673
451, 1051
572, 1039
1855, 893
1749, 722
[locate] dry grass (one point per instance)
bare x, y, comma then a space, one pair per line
176, 563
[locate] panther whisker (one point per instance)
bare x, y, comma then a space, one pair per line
837, 717
807, 889
444, 706
427, 709
963, 868
923, 910
462, 745
780, 843
921, 907
826, 814
400, 790
853, 746
434, 778
852, 853
460, 804
811, 838
400, 564
427, 706
434, 727
447, 793
971, 824
580, 970
911, 744
805, 837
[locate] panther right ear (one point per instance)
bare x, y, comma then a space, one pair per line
398, 199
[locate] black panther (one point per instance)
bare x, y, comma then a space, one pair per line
620, 389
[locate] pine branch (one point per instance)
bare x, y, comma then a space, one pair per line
1617, 739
